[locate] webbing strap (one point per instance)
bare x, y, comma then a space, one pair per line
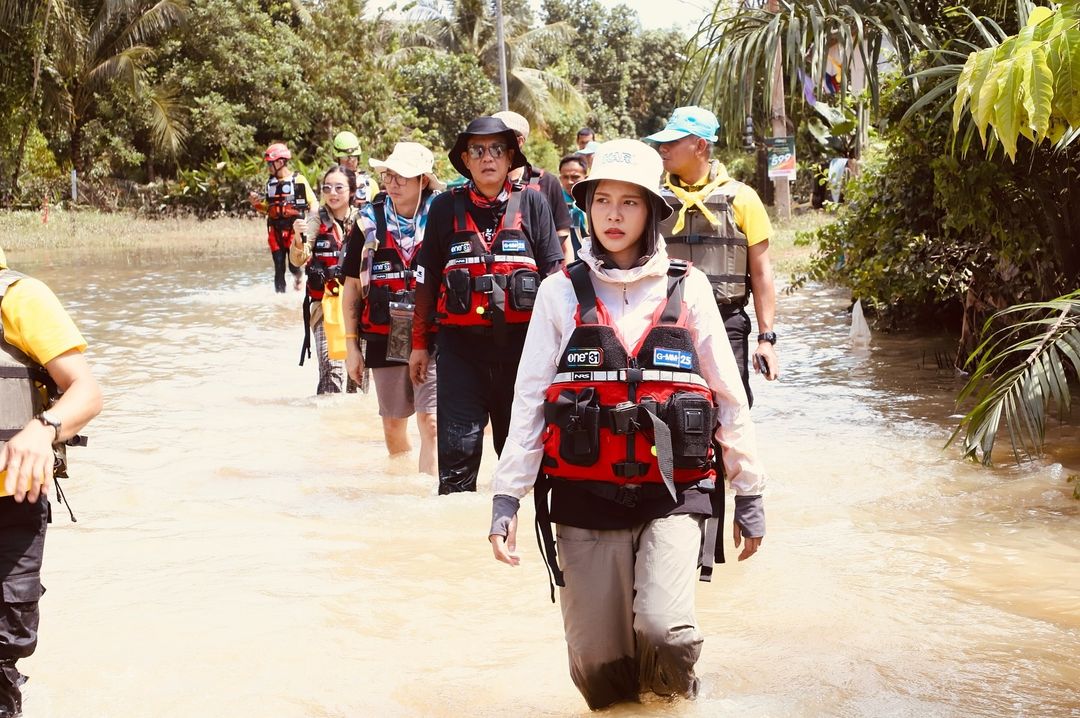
677, 272
502, 258
305, 348
15, 372
583, 289
623, 376
379, 208
665, 456
545, 540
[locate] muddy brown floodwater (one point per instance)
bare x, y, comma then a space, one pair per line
245, 549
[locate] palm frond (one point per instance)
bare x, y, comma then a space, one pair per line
1019, 371
166, 120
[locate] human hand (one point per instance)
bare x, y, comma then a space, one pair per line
354, 361
253, 196
765, 361
505, 547
752, 543
418, 363
28, 460
299, 227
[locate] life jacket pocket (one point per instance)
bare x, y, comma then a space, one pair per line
524, 284
458, 291
378, 300
692, 419
577, 415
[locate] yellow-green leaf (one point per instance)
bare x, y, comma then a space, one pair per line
963, 89
1008, 111
982, 108
1038, 93
1064, 64
1038, 14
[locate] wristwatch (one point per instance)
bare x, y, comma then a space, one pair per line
769, 337
49, 419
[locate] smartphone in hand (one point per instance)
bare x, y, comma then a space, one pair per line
761, 365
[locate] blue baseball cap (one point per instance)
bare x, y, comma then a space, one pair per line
686, 121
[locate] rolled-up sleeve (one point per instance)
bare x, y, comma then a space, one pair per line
516, 471
735, 432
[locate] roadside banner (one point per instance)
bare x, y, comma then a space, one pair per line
781, 154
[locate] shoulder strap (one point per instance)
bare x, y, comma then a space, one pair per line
586, 296
459, 210
677, 272
513, 209
378, 206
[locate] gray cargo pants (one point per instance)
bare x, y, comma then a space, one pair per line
628, 608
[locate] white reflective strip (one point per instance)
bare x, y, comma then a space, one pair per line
500, 258
389, 275
652, 375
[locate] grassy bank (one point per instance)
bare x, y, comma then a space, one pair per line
88, 231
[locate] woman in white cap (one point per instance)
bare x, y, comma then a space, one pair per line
630, 388
380, 265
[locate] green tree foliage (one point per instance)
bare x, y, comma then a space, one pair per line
1025, 85
630, 78
447, 91
927, 237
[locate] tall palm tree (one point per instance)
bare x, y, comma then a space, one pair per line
94, 45
468, 27
735, 48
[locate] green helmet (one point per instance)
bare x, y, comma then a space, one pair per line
346, 144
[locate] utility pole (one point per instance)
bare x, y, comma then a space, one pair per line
501, 37
778, 115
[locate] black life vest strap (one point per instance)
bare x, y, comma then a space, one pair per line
677, 272
545, 540
513, 207
586, 296
712, 545
305, 348
460, 210
379, 207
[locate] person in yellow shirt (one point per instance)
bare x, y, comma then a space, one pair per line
720, 225
41, 359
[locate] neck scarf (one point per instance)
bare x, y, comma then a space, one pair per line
408, 231
690, 197
482, 202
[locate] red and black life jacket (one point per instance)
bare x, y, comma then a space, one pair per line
286, 200
621, 417
488, 284
392, 275
323, 272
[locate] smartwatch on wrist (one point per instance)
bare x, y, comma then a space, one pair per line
769, 337
50, 419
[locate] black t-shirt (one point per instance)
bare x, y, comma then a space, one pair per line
550, 187
536, 225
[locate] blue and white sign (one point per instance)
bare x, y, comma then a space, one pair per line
513, 245
673, 358
461, 248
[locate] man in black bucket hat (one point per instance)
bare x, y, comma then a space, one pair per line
488, 244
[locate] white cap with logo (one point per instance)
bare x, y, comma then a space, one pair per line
630, 161
410, 159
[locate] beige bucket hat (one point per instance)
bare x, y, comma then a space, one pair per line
630, 161
410, 159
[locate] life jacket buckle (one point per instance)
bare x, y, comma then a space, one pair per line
628, 495
485, 283
624, 418
635, 375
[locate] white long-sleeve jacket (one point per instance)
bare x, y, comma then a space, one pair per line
631, 297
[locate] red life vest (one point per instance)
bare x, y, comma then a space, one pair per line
286, 200
626, 417
323, 272
488, 284
392, 275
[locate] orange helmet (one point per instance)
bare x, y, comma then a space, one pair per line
277, 151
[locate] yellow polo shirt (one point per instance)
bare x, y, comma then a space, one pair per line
35, 322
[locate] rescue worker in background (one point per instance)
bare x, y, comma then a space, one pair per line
488, 245
572, 169
287, 197
721, 226
584, 136
320, 245
380, 289
47, 394
588, 151
347, 154
629, 380
539, 179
